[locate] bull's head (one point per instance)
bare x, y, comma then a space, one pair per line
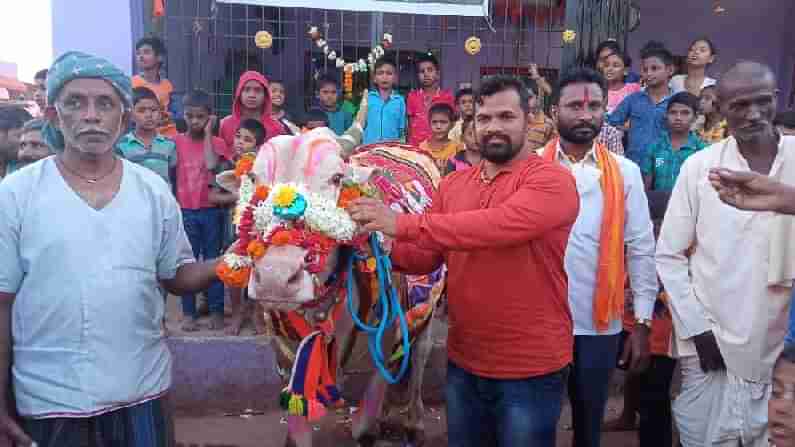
292, 226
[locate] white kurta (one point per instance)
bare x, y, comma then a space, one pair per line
723, 286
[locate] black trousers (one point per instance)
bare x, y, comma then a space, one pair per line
656, 421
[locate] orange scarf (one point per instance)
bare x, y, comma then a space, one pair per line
608, 301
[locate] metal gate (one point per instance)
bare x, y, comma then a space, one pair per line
210, 44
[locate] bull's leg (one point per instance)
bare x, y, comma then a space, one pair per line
365, 421
299, 432
415, 422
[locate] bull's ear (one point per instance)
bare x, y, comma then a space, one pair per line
359, 174
228, 181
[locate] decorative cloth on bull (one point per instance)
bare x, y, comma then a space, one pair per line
406, 178
75, 65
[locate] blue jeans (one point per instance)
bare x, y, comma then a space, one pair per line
595, 358
502, 413
204, 230
791, 332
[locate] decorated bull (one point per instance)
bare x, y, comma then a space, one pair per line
326, 287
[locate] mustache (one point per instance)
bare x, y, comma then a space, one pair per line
93, 131
590, 126
486, 138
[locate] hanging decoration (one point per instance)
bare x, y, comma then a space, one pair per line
569, 36
349, 68
263, 39
472, 45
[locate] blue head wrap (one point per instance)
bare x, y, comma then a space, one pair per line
76, 65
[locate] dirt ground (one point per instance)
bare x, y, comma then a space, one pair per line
269, 430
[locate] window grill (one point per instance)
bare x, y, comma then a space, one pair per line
211, 44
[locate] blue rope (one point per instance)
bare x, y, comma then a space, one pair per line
389, 304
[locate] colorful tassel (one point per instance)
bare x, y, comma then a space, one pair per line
297, 406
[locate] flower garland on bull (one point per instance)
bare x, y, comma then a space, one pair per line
288, 214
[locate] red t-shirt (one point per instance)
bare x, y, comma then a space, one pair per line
503, 243
417, 106
193, 177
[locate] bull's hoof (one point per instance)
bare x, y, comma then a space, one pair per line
415, 438
367, 440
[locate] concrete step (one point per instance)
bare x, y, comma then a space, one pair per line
217, 375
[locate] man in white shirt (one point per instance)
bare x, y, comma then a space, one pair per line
85, 239
756, 192
730, 319
614, 214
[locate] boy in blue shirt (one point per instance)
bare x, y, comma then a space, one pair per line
386, 114
645, 110
339, 120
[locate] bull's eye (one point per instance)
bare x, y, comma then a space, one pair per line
336, 179
309, 258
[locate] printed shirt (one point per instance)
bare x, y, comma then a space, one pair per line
503, 241
663, 163
86, 321
723, 285
386, 120
417, 105
582, 252
192, 173
614, 97
647, 122
160, 157
540, 131
612, 138
339, 120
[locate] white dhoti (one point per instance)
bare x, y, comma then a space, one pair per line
720, 409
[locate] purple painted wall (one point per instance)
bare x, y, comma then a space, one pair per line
758, 30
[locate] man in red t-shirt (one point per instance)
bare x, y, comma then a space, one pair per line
501, 228
419, 101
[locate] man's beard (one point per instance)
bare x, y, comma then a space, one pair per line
499, 149
574, 134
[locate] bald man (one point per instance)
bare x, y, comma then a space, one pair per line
730, 319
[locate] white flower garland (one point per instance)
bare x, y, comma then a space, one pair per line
237, 262
321, 215
246, 192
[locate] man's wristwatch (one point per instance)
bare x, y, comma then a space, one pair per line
643, 321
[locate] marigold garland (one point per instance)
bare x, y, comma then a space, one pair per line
261, 192
285, 196
233, 277
256, 249
281, 237
318, 228
244, 165
348, 195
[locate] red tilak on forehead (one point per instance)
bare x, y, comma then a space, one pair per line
587, 94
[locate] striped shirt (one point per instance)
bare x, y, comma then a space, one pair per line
160, 157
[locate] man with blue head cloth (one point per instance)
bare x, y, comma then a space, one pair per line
85, 238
